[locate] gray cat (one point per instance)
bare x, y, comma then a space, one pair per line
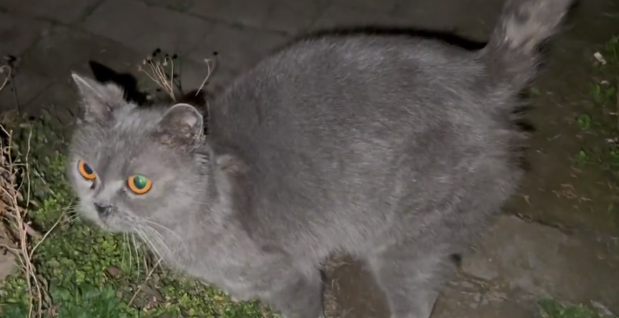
393, 149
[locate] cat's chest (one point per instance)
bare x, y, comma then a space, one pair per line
228, 266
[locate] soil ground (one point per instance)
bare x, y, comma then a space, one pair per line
558, 238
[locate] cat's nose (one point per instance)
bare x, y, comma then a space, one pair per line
103, 210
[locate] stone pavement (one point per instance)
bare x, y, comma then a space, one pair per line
573, 257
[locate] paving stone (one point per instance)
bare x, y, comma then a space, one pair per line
237, 48
62, 49
234, 11
463, 299
293, 17
546, 262
17, 33
514, 265
59, 103
64, 11
71, 50
28, 85
450, 15
194, 74
384, 6
340, 16
178, 5
352, 292
157, 27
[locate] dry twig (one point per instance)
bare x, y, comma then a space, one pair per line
617, 100
140, 287
160, 70
210, 66
158, 74
5, 71
20, 229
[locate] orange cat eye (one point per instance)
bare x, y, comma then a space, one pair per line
86, 171
139, 184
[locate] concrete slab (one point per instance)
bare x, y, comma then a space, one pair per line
293, 17
61, 50
63, 11
340, 16
18, 33
177, 5
235, 11
352, 292
59, 103
144, 28
26, 86
546, 262
238, 48
385, 6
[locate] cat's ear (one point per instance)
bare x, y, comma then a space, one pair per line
182, 124
98, 100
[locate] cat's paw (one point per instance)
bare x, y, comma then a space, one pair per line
236, 298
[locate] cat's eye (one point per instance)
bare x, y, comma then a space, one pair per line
139, 184
86, 171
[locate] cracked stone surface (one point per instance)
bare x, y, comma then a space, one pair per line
157, 27
573, 257
63, 11
571, 266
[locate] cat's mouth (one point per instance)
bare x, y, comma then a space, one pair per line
119, 223
114, 223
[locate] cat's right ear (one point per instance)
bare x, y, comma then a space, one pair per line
181, 125
98, 100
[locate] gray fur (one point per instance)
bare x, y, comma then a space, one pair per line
395, 150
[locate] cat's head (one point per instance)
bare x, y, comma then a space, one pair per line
136, 168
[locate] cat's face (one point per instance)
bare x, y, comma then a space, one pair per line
135, 169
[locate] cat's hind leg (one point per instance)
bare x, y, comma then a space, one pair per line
410, 277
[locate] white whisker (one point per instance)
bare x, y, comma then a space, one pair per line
177, 240
151, 222
135, 248
127, 245
148, 241
159, 239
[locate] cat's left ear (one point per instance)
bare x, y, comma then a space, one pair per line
182, 124
98, 100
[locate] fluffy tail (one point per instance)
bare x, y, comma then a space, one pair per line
512, 54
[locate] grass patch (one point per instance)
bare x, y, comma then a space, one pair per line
602, 119
86, 272
553, 309
69, 269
